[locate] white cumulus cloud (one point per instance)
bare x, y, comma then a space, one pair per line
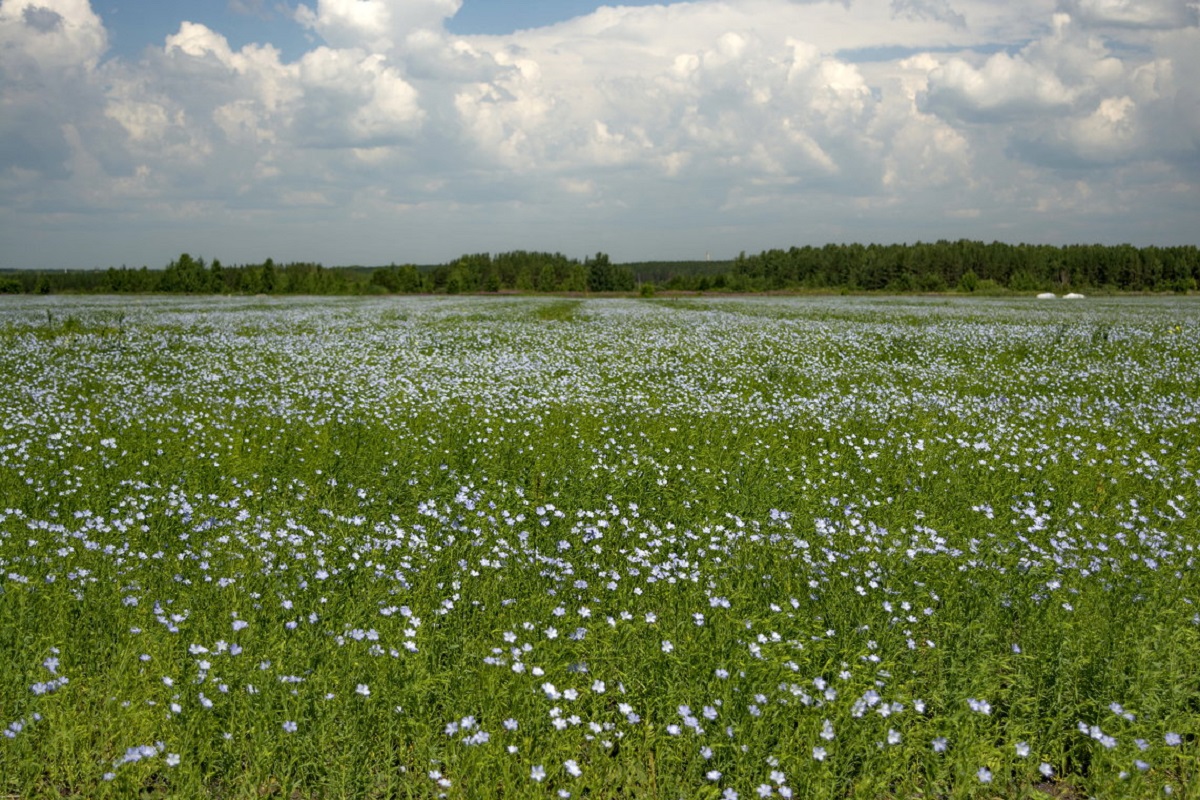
1134, 13
375, 25
653, 131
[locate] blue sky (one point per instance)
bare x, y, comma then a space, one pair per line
376, 131
133, 26
506, 16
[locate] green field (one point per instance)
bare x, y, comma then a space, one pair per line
537, 547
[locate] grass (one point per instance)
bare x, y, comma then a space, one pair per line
402, 548
558, 311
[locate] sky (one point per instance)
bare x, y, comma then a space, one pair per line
380, 131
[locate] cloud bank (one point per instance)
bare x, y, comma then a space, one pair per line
649, 132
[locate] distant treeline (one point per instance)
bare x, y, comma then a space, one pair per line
970, 266
934, 267
516, 271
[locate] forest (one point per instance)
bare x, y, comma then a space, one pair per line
963, 266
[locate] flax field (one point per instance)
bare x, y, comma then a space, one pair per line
529, 547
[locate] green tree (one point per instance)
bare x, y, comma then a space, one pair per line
216, 276
386, 278
267, 277
969, 281
600, 274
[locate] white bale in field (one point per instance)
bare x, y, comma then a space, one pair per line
1047, 296
1073, 296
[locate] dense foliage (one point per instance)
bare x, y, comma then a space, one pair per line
965, 266
516, 271
970, 266
606, 548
